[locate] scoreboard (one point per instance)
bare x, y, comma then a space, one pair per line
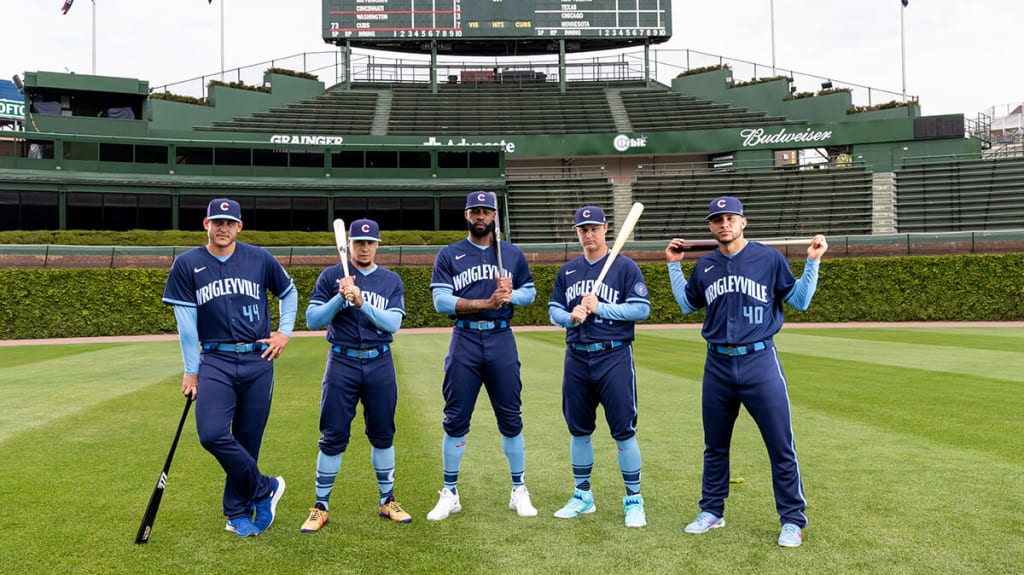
389, 21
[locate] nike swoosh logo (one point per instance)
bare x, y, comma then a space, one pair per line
459, 257
707, 269
197, 270
569, 272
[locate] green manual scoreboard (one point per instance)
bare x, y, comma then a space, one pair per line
389, 22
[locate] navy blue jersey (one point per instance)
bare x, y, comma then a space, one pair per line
623, 284
472, 273
231, 296
743, 294
381, 288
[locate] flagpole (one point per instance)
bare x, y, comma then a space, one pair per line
93, 37
903, 50
222, 40
772, 7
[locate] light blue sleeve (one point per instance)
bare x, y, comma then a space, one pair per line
799, 298
629, 311
389, 320
560, 317
188, 336
289, 307
319, 314
678, 280
524, 295
444, 299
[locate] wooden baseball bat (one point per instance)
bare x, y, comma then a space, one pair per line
620, 240
712, 244
341, 240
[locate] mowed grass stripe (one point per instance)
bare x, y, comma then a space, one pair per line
1008, 339
63, 380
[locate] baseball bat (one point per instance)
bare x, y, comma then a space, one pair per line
497, 241
711, 244
341, 240
620, 240
146, 527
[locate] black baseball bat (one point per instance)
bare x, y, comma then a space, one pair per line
158, 492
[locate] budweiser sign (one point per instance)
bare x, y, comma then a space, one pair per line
753, 137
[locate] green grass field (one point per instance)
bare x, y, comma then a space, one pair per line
910, 442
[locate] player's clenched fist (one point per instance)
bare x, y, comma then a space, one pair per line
674, 250
818, 247
347, 289
579, 314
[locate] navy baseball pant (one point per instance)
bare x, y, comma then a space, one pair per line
232, 408
757, 382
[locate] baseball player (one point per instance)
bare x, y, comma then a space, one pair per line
598, 366
743, 285
361, 312
219, 294
468, 285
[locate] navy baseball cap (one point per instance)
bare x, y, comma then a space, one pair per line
724, 205
364, 230
590, 215
224, 209
481, 199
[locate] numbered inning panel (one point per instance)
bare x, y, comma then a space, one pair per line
390, 20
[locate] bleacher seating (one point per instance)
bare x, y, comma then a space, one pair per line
778, 203
493, 108
960, 196
335, 112
660, 109
541, 210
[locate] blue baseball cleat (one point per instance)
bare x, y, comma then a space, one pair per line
242, 526
581, 503
705, 522
267, 507
791, 536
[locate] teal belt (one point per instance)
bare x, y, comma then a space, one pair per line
739, 349
482, 325
599, 346
258, 346
368, 353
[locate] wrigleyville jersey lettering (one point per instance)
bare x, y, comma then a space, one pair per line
743, 294
578, 289
228, 286
474, 274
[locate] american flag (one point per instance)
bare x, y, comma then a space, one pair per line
67, 6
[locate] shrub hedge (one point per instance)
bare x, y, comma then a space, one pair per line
95, 302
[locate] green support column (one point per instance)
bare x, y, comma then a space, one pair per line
62, 210
561, 65
348, 64
647, 62
175, 216
433, 66
329, 224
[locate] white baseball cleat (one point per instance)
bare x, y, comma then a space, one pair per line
447, 504
520, 502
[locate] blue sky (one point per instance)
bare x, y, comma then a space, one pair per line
960, 56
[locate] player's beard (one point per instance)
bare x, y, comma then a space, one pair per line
478, 232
